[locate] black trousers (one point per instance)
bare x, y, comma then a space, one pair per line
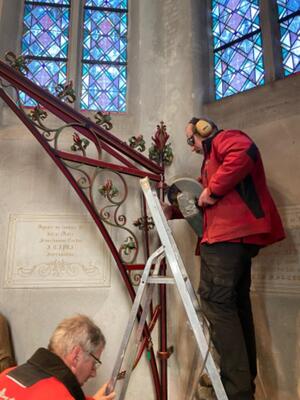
225, 299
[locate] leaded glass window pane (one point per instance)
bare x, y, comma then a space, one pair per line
45, 31
105, 36
107, 3
47, 74
287, 7
104, 56
63, 2
103, 87
45, 42
289, 19
233, 19
239, 67
238, 56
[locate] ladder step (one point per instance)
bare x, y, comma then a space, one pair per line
161, 279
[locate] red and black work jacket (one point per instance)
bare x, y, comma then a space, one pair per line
233, 172
43, 377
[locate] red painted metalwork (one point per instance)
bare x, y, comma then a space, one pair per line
145, 342
69, 115
91, 210
119, 150
160, 138
98, 163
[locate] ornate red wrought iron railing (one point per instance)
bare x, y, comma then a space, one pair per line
94, 150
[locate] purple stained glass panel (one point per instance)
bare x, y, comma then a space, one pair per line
232, 19
239, 67
290, 45
107, 3
287, 7
62, 2
103, 87
47, 74
45, 43
46, 31
105, 36
104, 57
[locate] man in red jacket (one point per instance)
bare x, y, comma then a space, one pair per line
239, 217
59, 372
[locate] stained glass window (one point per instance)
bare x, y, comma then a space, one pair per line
238, 56
289, 20
45, 42
121, 4
104, 57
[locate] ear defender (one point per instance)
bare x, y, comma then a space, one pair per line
203, 128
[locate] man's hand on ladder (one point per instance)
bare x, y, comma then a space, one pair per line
101, 394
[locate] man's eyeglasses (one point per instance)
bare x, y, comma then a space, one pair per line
97, 361
190, 140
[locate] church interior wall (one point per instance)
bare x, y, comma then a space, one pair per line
167, 81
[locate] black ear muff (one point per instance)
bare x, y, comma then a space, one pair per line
203, 128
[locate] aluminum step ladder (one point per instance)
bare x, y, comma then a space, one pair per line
140, 308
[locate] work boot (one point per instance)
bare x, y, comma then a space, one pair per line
205, 390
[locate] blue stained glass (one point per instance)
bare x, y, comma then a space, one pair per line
45, 31
239, 67
62, 2
46, 36
103, 87
289, 34
107, 3
104, 57
47, 74
105, 36
290, 45
287, 7
232, 19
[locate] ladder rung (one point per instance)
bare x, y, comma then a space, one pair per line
161, 279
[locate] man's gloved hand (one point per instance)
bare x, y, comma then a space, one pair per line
205, 199
100, 395
167, 209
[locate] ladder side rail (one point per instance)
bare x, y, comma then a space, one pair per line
198, 332
163, 225
191, 313
155, 209
147, 298
180, 275
132, 318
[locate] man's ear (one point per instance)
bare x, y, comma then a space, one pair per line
73, 357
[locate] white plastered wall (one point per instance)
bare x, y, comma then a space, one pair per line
165, 83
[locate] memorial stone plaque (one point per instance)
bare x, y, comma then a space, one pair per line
55, 251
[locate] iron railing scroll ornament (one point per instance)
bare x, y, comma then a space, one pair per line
80, 148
